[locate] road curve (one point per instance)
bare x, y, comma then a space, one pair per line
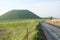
51, 31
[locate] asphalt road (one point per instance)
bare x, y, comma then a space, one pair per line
51, 31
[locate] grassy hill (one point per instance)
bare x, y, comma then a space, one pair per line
16, 29
19, 14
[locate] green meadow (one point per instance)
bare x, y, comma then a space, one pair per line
16, 30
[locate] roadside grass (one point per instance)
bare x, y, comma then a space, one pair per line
16, 30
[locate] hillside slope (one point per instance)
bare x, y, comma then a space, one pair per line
19, 14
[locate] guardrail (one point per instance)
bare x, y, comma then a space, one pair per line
49, 33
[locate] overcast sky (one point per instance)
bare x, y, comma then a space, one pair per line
43, 8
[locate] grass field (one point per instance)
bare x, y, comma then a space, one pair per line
16, 30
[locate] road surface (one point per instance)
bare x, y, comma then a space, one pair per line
51, 31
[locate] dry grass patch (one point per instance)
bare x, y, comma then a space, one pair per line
55, 21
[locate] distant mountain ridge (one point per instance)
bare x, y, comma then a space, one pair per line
19, 14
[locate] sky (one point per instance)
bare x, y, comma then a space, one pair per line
42, 8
